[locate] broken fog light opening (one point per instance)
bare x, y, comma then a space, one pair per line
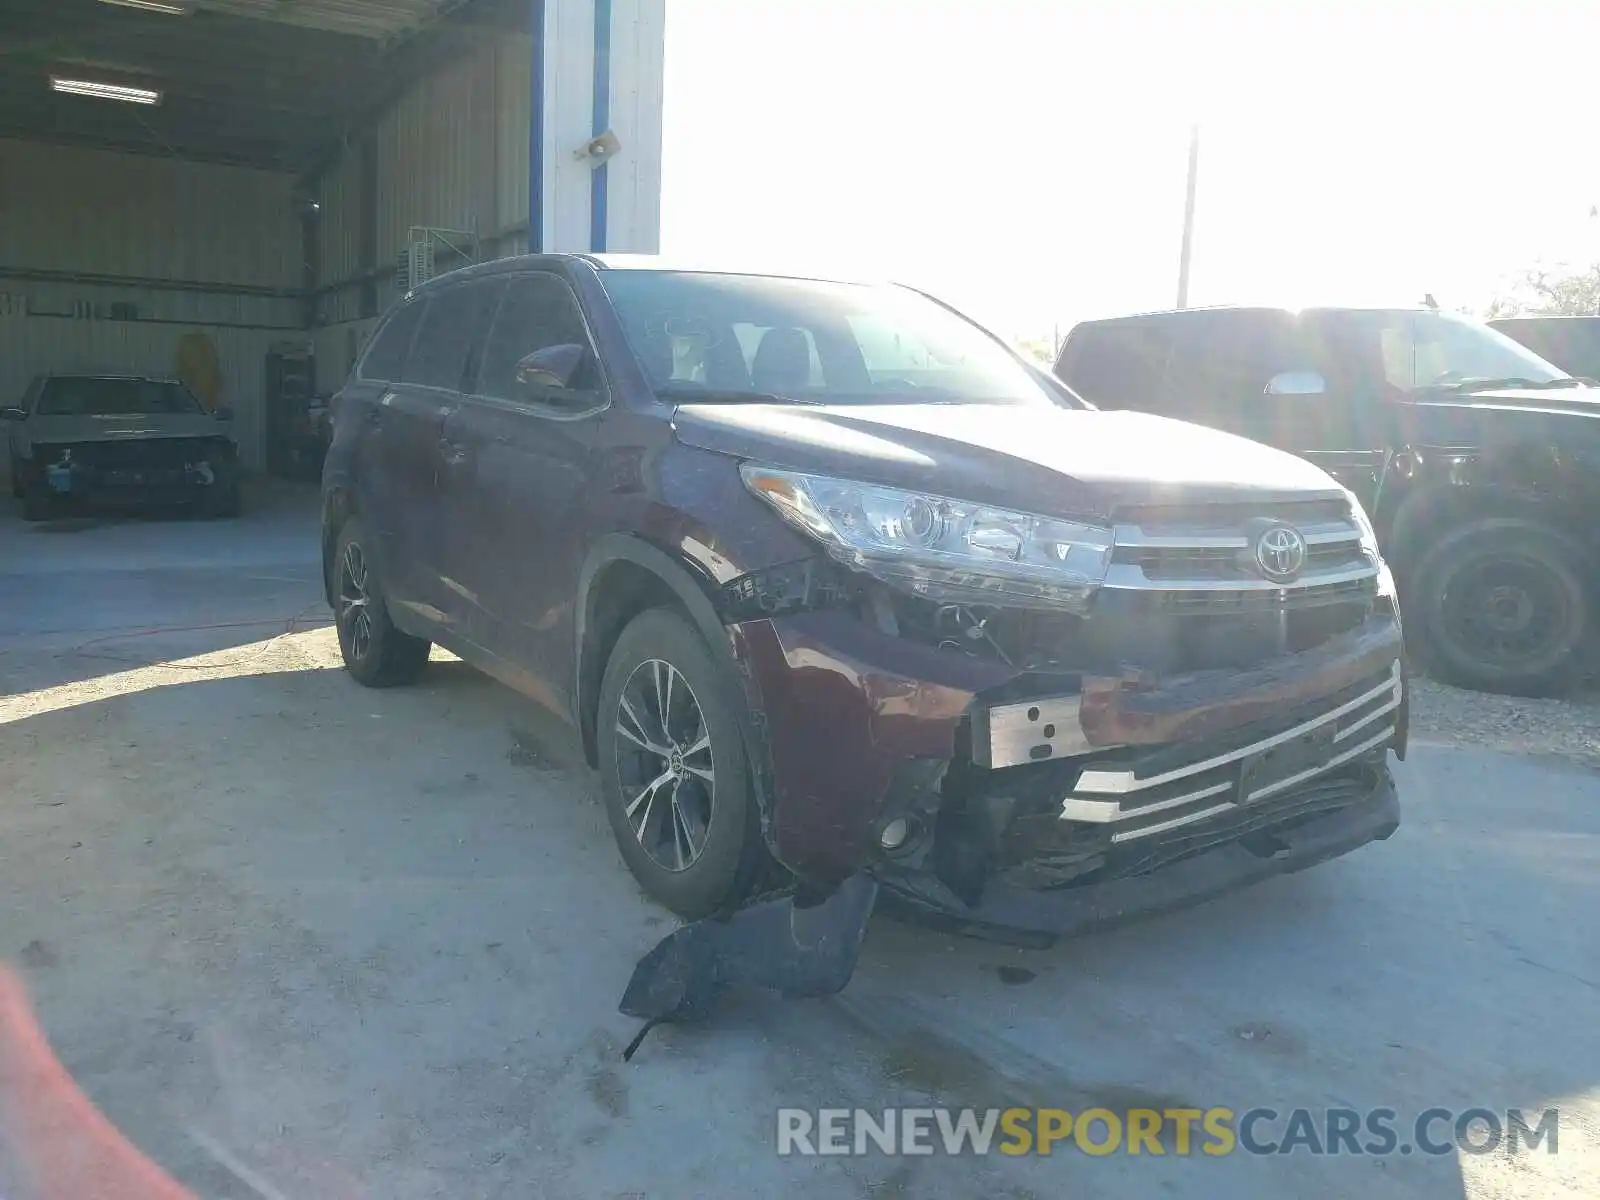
895, 834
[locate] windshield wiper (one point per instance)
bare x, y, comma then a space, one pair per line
1493, 385
702, 395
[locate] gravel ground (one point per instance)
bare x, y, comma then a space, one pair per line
1567, 728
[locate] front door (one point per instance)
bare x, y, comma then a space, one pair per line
1221, 371
520, 450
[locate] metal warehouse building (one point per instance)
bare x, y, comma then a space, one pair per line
240, 187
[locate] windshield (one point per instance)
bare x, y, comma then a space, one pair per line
1418, 350
748, 337
88, 396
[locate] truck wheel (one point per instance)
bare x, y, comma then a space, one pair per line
375, 653
1502, 605
673, 772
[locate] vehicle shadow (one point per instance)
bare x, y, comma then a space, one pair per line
372, 942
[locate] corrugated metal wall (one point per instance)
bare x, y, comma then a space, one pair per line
451, 154
82, 230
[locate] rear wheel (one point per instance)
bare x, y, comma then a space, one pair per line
1503, 605
375, 653
673, 770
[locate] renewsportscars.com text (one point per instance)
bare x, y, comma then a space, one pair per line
1180, 1131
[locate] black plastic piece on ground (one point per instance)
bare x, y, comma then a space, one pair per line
794, 948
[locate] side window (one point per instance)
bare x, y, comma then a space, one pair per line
454, 323
539, 316
1115, 366
386, 357
1222, 362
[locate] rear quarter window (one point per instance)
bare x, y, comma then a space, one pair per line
386, 356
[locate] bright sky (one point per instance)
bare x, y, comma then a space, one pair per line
1025, 159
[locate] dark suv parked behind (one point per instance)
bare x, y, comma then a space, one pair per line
825, 575
1478, 461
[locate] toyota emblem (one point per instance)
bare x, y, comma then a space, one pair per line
1281, 553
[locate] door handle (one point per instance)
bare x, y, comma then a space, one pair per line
453, 453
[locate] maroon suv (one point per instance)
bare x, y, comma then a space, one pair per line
840, 593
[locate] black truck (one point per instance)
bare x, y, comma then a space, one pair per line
1477, 460
1572, 343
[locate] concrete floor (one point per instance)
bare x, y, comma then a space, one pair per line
369, 944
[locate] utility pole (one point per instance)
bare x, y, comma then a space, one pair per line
1188, 217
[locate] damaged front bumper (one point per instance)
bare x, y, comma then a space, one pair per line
130, 471
879, 752
1027, 805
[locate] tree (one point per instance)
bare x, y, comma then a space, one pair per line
1039, 348
1552, 291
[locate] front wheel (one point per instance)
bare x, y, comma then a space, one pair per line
673, 770
375, 653
1502, 605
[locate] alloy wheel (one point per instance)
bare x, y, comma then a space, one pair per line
664, 765
355, 607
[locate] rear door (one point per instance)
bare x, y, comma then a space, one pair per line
1220, 371
409, 424
521, 457
367, 418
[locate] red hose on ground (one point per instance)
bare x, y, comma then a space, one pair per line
65, 1147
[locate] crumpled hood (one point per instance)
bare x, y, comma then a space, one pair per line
1066, 461
44, 429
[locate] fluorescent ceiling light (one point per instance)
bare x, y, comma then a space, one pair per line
104, 91
161, 6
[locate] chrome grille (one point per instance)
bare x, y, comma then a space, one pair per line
1203, 559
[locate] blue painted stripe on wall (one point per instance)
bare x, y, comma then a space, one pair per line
598, 181
536, 134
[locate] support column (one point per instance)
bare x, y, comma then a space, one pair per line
597, 69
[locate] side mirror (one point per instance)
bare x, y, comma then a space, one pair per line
553, 367
1296, 383
222, 413
13, 414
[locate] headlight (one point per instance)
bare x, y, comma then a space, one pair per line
951, 550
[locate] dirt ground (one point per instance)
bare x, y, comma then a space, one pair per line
296, 938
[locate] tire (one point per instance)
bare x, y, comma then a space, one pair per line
1503, 605
714, 818
375, 653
